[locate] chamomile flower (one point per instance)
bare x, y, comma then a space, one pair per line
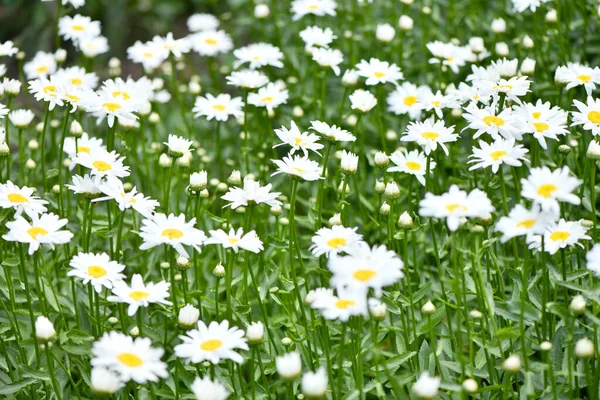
149, 54
488, 120
172, 231
447, 54
45, 90
331, 58
497, 153
43, 229
139, 294
547, 188
314, 36
298, 140
8, 49
532, 5
42, 65
113, 189
436, 102
212, 343
251, 193
176, 47
429, 135
85, 144
334, 240
575, 74
587, 115
270, 96
247, 79
377, 71
107, 105
178, 146
92, 46
236, 240
332, 132
258, 55
543, 121
454, 205
300, 167
131, 359
349, 302
21, 118
21, 199
407, 98
211, 42
208, 389
77, 76
366, 268
87, 185
512, 89
521, 221
413, 162
559, 235
362, 100
102, 163
505, 68
320, 8
77, 27
593, 259
97, 269
202, 22
219, 108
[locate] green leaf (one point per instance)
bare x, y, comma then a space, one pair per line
15, 387
53, 172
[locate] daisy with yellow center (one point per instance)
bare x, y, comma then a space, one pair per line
547, 188
133, 360
139, 294
21, 199
497, 153
521, 221
43, 229
96, 269
172, 231
211, 42
559, 235
212, 343
587, 115
349, 301
413, 163
334, 240
236, 240
429, 135
297, 139
220, 107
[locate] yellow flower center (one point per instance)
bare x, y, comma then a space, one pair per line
219, 107
78, 28
364, 275
172, 233
379, 74
536, 114
267, 99
299, 170
584, 78
526, 223
73, 98
560, 235
413, 165
101, 166
493, 120
298, 140
503, 87
343, 304
211, 345
112, 107
336, 242
430, 135
546, 190
313, 7
17, 198
541, 126
41, 69
452, 208
96, 271
130, 359
436, 103
83, 149
256, 57
76, 81
449, 59
233, 240
410, 100
496, 155
50, 89
138, 295
147, 54
35, 231
211, 42
594, 116
122, 94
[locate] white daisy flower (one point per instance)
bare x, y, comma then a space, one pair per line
77, 27
377, 71
43, 229
251, 193
21, 118
314, 36
131, 359
219, 108
97, 269
332, 132
298, 140
212, 343
87, 185
543, 121
114, 190
21, 199
102, 163
593, 259
207, 389
587, 115
45, 90
349, 302
497, 153
559, 236
320, 8
521, 221
362, 100
331, 58
413, 162
42, 65
407, 98
202, 22
178, 146
139, 294
258, 55
547, 188
236, 240
177, 47
300, 167
429, 135
172, 231
335, 240
247, 79
211, 42
85, 144
487, 120
270, 96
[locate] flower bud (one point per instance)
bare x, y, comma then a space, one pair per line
183, 263
405, 23
385, 33
551, 16
498, 25
593, 150
584, 348
135, 331
392, 190
502, 49
470, 385
255, 332
261, 11
219, 270
44, 329
335, 220
385, 209
289, 366
60, 55
405, 220
381, 159
428, 308
512, 364
379, 187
